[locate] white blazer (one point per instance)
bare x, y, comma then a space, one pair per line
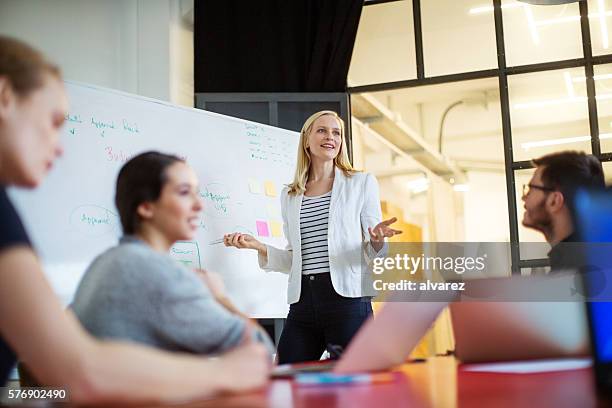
354, 206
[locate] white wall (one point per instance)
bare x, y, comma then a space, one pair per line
137, 46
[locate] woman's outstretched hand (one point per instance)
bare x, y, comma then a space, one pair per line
382, 231
240, 240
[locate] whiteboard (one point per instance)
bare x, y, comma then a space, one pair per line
241, 165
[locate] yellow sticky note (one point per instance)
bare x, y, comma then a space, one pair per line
254, 186
270, 189
276, 228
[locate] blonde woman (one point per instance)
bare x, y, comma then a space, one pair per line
331, 218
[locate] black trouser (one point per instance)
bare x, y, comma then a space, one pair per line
319, 318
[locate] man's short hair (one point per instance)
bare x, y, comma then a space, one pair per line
569, 171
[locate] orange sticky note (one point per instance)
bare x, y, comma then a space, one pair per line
276, 228
270, 189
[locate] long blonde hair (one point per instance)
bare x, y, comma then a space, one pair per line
303, 155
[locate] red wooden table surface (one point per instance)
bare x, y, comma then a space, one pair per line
439, 382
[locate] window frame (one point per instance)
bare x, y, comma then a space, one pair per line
502, 72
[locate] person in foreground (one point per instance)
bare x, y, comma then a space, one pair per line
136, 291
548, 201
34, 326
332, 221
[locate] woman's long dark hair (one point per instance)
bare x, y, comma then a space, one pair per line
140, 180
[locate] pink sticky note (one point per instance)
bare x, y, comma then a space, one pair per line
262, 229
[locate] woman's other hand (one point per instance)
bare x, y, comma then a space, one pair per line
382, 231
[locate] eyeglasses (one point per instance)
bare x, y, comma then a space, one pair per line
528, 187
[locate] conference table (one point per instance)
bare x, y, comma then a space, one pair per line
437, 382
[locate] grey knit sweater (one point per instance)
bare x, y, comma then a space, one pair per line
132, 292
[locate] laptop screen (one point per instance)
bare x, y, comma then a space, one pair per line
594, 221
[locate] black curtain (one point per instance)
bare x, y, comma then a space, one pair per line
274, 45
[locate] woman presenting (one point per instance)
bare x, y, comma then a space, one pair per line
331, 218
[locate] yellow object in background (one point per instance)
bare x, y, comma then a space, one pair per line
270, 188
439, 338
276, 228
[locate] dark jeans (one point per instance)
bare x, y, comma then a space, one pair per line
319, 318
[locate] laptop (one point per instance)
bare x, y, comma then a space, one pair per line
383, 341
594, 220
498, 330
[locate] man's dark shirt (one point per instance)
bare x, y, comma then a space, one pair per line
567, 255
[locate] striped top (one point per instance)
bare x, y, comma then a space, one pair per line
314, 216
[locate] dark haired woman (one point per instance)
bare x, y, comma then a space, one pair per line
135, 290
34, 326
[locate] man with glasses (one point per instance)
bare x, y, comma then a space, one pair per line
548, 200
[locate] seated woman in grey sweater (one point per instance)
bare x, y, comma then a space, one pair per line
136, 291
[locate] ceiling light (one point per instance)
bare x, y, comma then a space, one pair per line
602, 24
554, 142
462, 188
595, 77
548, 102
552, 21
569, 85
560, 101
418, 185
565, 140
549, 2
487, 9
601, 14
532, 26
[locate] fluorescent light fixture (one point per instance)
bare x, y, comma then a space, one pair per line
572, 98
567, 19
595, 77
461, 187
559, 20
488, 9
549, 102
603, 97
532, 26
418, 185
602, 24
554, 142
569, 85
561, 141
601, 15
560, 101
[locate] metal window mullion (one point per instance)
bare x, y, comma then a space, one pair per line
522, 165
504, 100
375, 2
590, 81
418, 38
605, 157
534, 263
602, 59
435, 80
